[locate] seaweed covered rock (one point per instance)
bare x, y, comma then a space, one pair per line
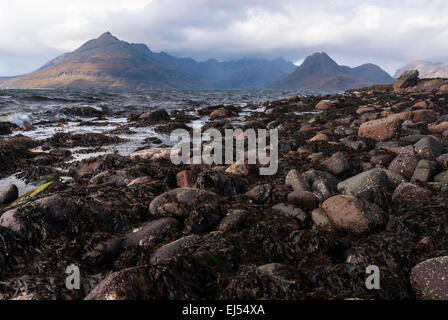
152, 232
200, 209
175, 248
155, 115
70, 140
429, 279
232, 221
408, 193
10, 194
305, 199
260, 194
78, 111
119, 178
56, 208
122, 285
220, 182
6, 128
353, 215
442, 177
407, 79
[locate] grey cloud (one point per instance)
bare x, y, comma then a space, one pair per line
388, 33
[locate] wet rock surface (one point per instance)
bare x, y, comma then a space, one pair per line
361, 180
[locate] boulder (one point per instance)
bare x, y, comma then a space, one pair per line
10, 194
382, 159
118, 178
423, 116
232, 221
438, 128
155, 115
443, 160
260, 194
323, 189
6, 128
304, 199
312, 176
408, 193
140, 180
8, 220
442, 177
424, 171
152, 232
242, 168
222, 113
296, 181
319, 137
155, 154
290, 211
89, 168
174, 249
429, 279
56, 208
429, 148
380, 130
219, 182
336, 164
407, 79
324, 105
352, 215
200, 209
319, 217
405, 162
365, 185
121, 285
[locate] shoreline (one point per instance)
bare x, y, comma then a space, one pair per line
225, 232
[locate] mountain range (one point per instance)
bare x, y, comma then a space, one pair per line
426, 69
107, 62
320, 71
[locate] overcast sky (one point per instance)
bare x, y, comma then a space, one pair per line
386, 32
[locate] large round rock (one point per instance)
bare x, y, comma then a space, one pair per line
430, 279
353, 215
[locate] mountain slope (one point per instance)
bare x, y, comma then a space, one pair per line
244, 73
107, 62
372, 73
426, 69
319, 71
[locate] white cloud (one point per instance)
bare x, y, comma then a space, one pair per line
389, 33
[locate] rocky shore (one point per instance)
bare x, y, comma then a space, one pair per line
362, 180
